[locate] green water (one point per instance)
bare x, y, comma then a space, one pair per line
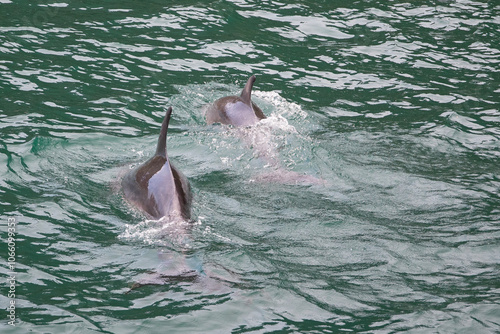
395, 105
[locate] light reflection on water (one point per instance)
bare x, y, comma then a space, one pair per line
393, 105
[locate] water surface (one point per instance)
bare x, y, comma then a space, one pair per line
394, 105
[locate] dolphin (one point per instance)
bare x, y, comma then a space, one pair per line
236, 110
157, 187
241, 112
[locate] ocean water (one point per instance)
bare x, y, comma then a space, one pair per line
393, 107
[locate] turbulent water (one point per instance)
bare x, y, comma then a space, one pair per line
393, 106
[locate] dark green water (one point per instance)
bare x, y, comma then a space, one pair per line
394, 104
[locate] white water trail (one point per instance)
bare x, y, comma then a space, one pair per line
264, 140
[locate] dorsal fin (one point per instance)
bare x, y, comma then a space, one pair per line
246, 93
161, 149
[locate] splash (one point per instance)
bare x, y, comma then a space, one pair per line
282, 106
273, 141
165, 232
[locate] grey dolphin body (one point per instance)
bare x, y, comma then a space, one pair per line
241, 112
156, 186
236, 110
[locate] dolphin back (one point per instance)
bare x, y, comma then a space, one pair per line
157, 187
236, 110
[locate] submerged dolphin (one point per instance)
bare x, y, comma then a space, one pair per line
156, 186
236, 110
241, 112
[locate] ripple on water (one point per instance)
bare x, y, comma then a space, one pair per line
394, 105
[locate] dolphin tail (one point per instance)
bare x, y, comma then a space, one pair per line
246, 93
161, 149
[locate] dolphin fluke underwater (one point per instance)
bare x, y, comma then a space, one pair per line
236, 110
157, 187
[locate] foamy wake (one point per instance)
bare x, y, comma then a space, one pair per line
163, 232
282, 106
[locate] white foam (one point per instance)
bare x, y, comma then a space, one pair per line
162, 232
276, 122
283, 107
